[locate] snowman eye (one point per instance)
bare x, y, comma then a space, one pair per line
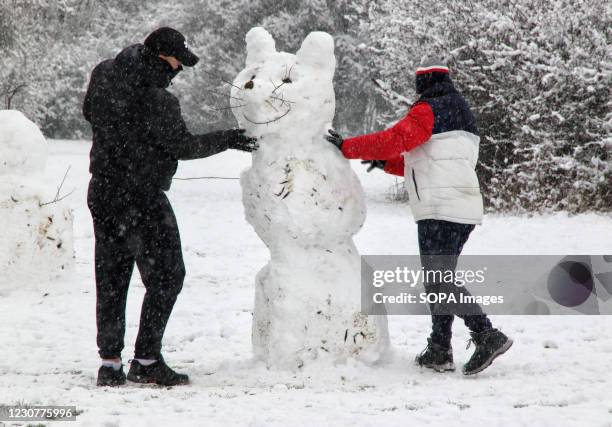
249, 84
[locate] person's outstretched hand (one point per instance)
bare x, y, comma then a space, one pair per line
239, 141
374, 164
335, 138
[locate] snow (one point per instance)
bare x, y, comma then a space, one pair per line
305, 202
23, 149
49, 356
34, 231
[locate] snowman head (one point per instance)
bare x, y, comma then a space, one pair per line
282, 94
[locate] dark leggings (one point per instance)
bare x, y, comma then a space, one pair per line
440, 244
134, 227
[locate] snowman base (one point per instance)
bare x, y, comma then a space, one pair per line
37, 240
305, 315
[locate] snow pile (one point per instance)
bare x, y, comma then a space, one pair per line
23, 149
37, 242
305, 203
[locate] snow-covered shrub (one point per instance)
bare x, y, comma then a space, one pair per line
537, 73
538, 76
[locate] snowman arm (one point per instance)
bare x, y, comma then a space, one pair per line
410, 132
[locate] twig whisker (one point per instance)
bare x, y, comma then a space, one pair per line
278, 87
275, 87
282, 99
231, 107
222, 79
270, 104
222, 94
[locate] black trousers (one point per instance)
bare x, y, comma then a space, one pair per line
134, 226
440, 244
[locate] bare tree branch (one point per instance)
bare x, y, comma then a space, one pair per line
9, 94
400, 99
57, 197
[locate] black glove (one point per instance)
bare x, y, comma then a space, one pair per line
374, 164
334, 138
237, 140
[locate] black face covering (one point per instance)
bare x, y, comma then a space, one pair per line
429, 80
159, 73
173, 73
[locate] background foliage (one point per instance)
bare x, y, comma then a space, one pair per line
537, 73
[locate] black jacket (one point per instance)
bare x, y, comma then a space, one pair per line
138, 130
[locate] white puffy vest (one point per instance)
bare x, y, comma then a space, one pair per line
441, 178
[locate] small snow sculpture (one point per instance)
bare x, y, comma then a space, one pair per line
37, 240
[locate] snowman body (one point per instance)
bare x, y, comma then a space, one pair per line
306, 204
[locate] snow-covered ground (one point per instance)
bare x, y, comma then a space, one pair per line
557, 373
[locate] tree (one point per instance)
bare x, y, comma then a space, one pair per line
536, 72
540, 92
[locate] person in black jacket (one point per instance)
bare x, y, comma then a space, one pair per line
138, 137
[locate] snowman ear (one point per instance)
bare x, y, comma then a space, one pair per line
260, 45
317, 51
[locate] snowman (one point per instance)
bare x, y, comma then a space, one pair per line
36, 234
306, 204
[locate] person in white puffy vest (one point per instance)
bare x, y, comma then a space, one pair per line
435, 148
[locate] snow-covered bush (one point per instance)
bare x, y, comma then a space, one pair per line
537, 73
538, 76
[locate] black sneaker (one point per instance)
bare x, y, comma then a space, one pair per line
489, 345
109, 376
436, 357
157, 373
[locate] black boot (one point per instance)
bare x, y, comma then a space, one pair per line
109, 376
157, 373
489, 345
436, 357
